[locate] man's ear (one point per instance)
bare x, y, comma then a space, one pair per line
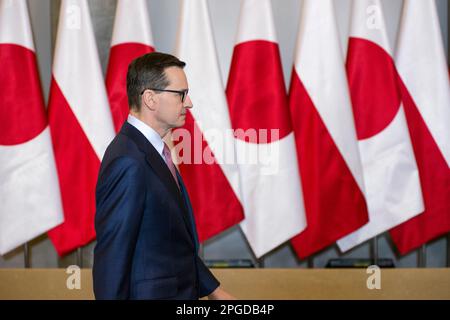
150, 99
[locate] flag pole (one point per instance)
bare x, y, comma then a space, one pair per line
255, 260
310, 263
80, 257
26, 255
201, 251
375, 250
448, 241
422, 259
260, 262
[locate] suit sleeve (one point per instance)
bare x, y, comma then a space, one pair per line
207, 282
120, 198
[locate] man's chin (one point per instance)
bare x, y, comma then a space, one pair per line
180, 123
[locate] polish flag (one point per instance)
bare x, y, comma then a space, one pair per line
327, 146
422, 66
132, 37
205, 144
265, 145
80, 122
391, 177
29, 191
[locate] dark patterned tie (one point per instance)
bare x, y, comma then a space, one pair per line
169, 162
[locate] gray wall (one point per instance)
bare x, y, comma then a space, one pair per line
224, 15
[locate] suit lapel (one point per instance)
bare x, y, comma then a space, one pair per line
161, 169
189, 211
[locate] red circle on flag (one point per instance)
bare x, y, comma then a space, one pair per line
373, 86
22, 110
256, 93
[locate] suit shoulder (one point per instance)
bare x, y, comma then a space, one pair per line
122, 151
120, 146
121, 168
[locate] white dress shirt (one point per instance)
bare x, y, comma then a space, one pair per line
152, 136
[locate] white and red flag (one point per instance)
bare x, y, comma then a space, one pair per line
391, 176
425, 88
131, 38
325, 134
265, 146
206, 163
80, 122
30, 200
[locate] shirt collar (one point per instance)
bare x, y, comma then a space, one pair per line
152, 136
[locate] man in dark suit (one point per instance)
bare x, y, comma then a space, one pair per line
147, 246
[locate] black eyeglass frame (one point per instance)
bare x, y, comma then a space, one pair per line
182, 93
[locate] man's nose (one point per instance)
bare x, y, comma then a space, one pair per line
188, 102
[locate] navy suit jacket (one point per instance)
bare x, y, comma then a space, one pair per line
147, 245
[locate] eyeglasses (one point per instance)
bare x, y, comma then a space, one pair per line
182, 93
